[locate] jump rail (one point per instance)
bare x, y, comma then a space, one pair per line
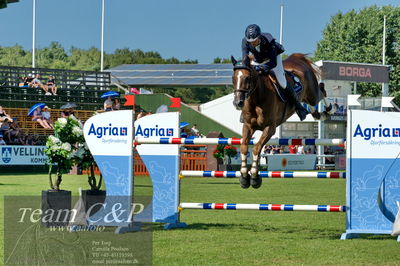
238, 141
266, 174
263, 207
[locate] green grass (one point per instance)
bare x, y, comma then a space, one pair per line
218, 237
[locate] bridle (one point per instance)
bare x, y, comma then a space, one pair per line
252, 84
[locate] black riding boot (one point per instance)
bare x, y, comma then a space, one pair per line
300, 110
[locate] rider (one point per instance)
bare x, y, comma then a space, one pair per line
264, 52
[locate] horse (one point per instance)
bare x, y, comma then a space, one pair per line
262, 109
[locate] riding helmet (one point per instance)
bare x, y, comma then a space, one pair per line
252, 32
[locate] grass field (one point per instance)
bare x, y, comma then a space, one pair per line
218, 237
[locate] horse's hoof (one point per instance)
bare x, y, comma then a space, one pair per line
256, 182
245, 181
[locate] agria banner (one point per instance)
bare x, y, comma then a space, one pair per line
109, 138
162, 162
373, 187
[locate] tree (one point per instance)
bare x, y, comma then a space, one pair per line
357, 37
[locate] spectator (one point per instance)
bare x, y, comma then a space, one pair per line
65, 113
37, 83
5, 129
30, 140
15, 134
116, 104
4, 115
37, 116
292, 149
24, 83
28, 80
194, 131
2, 142
141, 114
47, 116
108, 104
300, 149
51, 84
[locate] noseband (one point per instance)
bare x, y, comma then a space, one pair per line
252, 86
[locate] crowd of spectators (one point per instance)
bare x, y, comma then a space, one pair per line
12, 134
34, 81
111, 104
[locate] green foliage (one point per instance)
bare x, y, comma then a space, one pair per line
357, 37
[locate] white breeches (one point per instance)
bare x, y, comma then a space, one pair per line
279, 72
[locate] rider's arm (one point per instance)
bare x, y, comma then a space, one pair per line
245, 49
272, 55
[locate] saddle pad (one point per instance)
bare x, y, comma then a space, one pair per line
298, 87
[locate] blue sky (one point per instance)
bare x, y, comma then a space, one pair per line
185, 29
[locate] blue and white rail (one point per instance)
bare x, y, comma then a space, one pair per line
238, 141
265, 174
262, 207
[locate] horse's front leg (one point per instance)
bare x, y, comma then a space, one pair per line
244, 177
256, 180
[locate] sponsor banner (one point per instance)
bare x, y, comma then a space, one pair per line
373, 171
22, 155
375, 134
158, 125
110, 133
373, 210
162, 162
282, 162
355, 72
109, 138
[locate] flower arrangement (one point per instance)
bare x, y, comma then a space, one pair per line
230, 151
66, 148
219, 152
223, 150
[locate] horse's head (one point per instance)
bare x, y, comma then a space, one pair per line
242, 81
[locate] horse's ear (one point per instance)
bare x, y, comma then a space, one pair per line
246, 61
233, 60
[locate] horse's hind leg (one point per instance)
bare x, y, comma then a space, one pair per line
256, 180
329, 108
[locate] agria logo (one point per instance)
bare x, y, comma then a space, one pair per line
107, 131
154, 132
376, 132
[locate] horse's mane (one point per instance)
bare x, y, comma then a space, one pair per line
299, 57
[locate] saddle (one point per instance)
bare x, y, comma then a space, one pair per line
297, 86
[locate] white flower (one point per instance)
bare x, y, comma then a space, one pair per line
53, 139
77, 131
66, 146
55, 148
62, 121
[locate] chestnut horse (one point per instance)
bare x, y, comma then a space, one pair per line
262, 109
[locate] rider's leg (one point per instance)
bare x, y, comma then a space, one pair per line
289, 90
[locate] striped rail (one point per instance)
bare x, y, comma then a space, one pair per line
272, 174
263, 207
238, 141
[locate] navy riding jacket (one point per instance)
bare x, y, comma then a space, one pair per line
268, 49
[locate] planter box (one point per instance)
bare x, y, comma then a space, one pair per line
92, 197
56, 206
